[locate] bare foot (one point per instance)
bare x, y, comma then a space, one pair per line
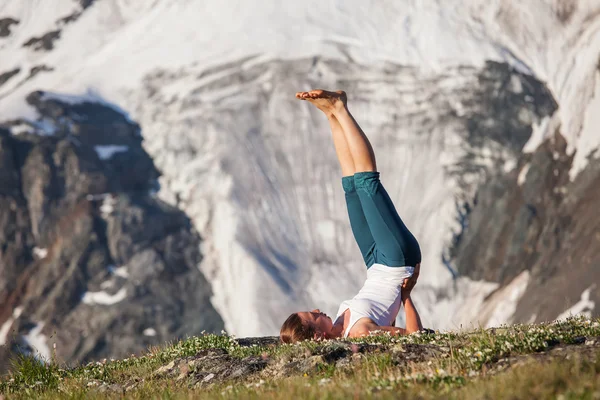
326, 101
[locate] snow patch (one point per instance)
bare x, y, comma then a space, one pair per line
107, 151
40, 127
107, 284
589, 139
66, 98
523, 174
119, 271
149, 332
107, 206
21, 128
4, 329
89, 97
504, 302
103, 298
37, 341
584, 306
326, 229
39, 252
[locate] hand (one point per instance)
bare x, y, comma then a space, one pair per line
409, 283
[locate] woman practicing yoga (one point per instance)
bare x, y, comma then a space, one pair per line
390, 251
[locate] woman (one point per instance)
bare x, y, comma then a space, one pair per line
390, 251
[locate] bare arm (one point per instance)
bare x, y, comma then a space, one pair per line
365, 326
413, 321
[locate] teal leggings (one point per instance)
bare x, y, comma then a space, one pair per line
381, 235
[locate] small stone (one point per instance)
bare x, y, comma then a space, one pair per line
184, 369
399, 348
590, 342
579, 340
130, 386
114, 388
311, 363
165, 368
208, 378
342, 363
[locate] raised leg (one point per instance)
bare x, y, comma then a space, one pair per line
358, 144
358, 222
395, 244
339, 139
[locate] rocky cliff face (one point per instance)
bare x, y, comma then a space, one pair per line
537, 234
90, 259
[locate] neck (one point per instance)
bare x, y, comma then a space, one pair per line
337, 330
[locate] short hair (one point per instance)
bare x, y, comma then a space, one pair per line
293, 330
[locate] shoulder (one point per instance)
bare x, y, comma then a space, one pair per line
362, 327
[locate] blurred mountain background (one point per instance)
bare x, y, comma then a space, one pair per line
159, 179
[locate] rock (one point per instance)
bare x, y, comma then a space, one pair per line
44, 42
579, 340
259, 341
531, 223
311, 364
5, 76
211, 366
114, 388
133, 384
165, 368
5, 24
110, 260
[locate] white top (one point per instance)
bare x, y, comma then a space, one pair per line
379, 299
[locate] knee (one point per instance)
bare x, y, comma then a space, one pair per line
348, 184
367, 181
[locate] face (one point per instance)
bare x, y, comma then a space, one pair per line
319, 321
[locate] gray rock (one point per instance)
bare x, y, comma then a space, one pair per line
114, 388
5, 24
56, 194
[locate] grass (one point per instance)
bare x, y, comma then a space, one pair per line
554, 360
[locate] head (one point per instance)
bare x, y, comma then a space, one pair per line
306, 325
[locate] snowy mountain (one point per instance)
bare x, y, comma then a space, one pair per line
481, 115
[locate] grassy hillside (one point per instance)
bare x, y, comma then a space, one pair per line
560, 359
